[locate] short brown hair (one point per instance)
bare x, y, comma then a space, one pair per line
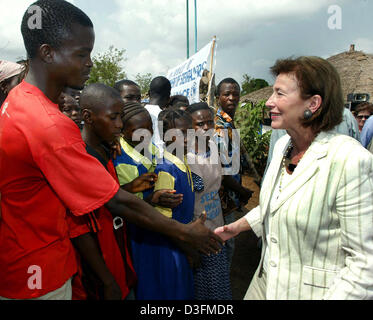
316, 76
365, 106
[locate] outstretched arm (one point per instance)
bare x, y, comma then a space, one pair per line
232, 230
137, 211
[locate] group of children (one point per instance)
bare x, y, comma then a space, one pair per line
119, 260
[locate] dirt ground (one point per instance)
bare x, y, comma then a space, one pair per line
247, 251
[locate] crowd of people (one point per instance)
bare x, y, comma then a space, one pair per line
104, 197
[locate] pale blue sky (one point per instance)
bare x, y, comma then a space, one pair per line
251, 34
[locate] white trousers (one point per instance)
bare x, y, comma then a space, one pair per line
63, 293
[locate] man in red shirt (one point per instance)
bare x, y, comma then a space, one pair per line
45, 168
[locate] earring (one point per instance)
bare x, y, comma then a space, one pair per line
307, 114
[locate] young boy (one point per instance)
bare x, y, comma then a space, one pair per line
129, 90
101, 109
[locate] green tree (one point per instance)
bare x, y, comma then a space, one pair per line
107, 67
249, 119
249, 84
143, 80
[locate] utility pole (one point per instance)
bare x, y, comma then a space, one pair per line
187, 23
195, 26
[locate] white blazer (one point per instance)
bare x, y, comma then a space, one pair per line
321, 230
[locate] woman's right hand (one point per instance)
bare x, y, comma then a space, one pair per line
226, 232
231, 230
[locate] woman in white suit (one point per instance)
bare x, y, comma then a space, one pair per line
315, 214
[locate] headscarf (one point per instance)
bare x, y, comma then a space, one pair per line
9, 69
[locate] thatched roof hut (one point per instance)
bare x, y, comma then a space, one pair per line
356, 71
258, 95
354, 67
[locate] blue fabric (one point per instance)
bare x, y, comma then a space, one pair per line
212, 278
197, 182
127, 159
162, 268
367, 132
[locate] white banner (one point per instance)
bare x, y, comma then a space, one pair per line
185, 78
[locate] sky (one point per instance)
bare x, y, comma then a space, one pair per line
251, 34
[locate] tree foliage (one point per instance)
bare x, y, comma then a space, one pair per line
143, 80
249, 119
249, 84
107, 67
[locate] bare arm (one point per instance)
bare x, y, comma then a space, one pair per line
139, 212
89, 251
232, 230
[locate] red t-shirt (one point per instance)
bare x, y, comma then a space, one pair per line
117, 260
45, 170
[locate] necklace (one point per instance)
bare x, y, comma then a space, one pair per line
285, 163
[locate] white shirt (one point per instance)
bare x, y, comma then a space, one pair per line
154, 111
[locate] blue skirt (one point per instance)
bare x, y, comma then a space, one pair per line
162, 269
212, 278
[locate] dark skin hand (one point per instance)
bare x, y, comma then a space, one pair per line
115, 149
194, 258
88, 249
142, 183
165, 198
128, 206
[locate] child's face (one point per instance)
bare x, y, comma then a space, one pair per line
70, 107
107, 123
130, 93
139, 121
203, 120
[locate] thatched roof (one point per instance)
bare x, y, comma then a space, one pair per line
356, 71
258, 95
354, 67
